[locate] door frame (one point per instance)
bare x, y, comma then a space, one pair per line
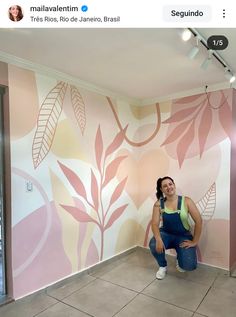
2, 194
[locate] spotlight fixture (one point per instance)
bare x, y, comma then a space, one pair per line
232, 79
186, 35
207, 61
228, 75
212, 54
194, 51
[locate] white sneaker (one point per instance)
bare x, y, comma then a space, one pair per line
178, 268
161, 273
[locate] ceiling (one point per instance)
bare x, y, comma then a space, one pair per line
141, 64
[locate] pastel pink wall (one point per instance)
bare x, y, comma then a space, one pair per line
92, 164
193, 144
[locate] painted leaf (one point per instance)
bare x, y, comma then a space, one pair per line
98, 148
94, 190
78, 214
225, 116
116, 142
204, 127
176, 132
49, 114
112, 168
185, 143
181, 115
115, 215
118, 191
207, 203
78, 107
74, 180
188, 99
92, 256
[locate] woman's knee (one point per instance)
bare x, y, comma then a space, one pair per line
188, 259
189, 265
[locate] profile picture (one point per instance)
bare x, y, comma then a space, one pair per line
15, 13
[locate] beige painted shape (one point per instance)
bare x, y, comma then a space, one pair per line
70, 227
143, 112
23, 100
127, 235
143, 173
165, 106
65, 143
87, 240
140, 235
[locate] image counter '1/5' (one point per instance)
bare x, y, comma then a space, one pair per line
217, 42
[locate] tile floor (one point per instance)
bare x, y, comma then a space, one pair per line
127, 287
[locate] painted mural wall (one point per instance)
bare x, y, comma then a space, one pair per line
70, 210
194, 148
84, 170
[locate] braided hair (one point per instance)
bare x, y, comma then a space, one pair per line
159, 193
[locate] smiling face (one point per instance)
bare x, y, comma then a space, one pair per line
168, 187
14, 11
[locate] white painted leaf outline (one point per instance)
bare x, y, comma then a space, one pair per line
49, 114
78, 107
207, 203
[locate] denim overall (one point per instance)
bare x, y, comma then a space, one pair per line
173, 233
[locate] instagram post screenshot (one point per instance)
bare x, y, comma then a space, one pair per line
117, 158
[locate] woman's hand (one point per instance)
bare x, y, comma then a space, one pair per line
187, 244
160, 245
